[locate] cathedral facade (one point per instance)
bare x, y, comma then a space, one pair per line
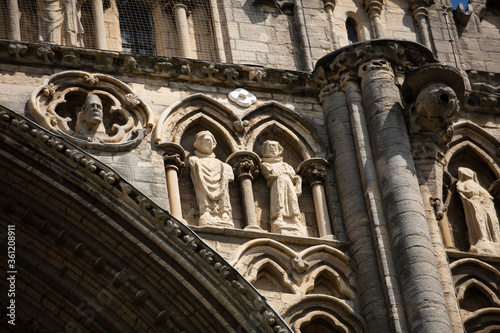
250, 166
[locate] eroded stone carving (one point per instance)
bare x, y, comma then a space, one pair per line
480, 214
59, 22
211, 179
285, 186
92, 110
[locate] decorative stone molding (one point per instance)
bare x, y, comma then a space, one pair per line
61, 105
153, 224
404, 56
175, 69
484, 94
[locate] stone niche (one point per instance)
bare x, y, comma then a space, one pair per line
94, 111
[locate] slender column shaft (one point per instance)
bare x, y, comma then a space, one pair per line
430, 175
248, 203
354, 210
405, 213
218, 31
374, 203
13, 15
321, 209
329, 7
420, 16
100, 29
304, 40
183, 30
160, 29
174, 196
374, 9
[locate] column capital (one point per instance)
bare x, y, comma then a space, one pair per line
174, 156
373, 7
405, 55
246, 164
313, 170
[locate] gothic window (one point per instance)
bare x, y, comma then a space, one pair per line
352, 31
136, 27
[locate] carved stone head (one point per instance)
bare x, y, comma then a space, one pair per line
205, 142
91, 115
271, 149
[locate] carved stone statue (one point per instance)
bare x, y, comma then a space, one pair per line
211, 179
285, 186
59, 22
480, 213
89, 123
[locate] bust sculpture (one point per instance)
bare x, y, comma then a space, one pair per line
89, 123
285, 186
211, 179
480, 214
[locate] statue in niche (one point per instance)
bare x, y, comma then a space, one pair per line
285, 186
89, 122
480, 213
211, 179
59, 22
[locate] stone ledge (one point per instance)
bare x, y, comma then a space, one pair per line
285, 239
456, 254
169, 68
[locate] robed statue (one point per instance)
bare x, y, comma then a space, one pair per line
211, 179
285, 186
480, 214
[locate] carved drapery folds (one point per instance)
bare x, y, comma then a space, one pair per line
480, 214
211, 179
92, 110
238, 141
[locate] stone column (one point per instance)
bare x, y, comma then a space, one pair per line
246, 165
373, 198
329, 7
304, 39
404, 209
219, 39
435, 105
13, 17
374, 9
160, 29
420, 16
100, 29
173, 160
313, 171
354, 210
180, 11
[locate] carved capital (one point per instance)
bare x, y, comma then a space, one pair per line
347, 77
327, 91
373, 7
246, 164
313, 171
378, 64
174, 156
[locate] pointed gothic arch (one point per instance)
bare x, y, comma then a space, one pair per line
477, 285
105, 257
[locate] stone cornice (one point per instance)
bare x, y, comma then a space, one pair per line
147, 218
406, 55
169, 68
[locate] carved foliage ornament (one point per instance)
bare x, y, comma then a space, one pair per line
92, 110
